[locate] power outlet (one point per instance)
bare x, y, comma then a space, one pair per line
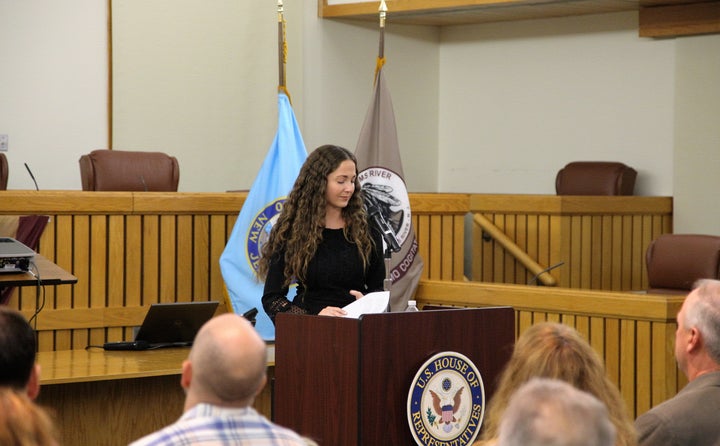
3, 143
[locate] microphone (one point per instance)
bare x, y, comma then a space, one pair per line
32, 176
548, 269
250, 315
381, 224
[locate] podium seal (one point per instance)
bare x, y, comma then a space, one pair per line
446, 401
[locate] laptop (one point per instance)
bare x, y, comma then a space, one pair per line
168, 325
15, 256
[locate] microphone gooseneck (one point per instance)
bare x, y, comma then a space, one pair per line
32, 176
546, 270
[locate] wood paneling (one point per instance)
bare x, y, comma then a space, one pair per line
439, 221
680, 19
108, 398
601, 240
633, 333
459, 12
129, 250
134, 249
113, 412
657, 18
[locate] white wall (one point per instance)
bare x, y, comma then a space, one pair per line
519, 100
197, 80
697, 136
53, 88
480, 108
339, 65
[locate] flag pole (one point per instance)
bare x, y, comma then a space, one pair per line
381, 47
378, 148
389, 249
282, 49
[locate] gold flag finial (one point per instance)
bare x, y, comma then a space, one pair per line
381, 50
383, 13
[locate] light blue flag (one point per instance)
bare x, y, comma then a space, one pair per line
273, 183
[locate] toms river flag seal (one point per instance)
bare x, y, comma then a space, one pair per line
238, 262
381, 177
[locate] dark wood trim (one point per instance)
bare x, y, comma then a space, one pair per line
680, 20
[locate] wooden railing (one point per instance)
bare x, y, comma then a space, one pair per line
540, 273
632, 332
129, 250
600, 240
439, 221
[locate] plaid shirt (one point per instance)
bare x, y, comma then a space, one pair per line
206, 424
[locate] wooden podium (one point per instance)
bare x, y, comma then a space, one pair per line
346, 381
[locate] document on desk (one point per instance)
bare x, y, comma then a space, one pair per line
376, 302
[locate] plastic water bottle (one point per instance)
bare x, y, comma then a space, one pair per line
412, 306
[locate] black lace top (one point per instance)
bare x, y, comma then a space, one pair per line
332, 273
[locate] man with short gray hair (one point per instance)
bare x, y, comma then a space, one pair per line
691, 417
550, 412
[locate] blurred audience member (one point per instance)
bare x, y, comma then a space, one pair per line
225, 371
550, 412
691, 417
24, 423
557, 351
18, 369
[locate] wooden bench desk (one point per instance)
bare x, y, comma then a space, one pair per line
114, 397
48, 274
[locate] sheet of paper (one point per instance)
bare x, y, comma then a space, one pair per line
370, 303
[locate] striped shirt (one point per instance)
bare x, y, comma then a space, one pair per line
205, 424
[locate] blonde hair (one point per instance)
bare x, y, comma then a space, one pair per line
554, 350
23, 423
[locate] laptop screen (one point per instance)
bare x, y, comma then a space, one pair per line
175, 323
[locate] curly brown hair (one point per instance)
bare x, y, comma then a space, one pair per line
298, 230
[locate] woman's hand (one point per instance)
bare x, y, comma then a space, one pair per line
357, 294
332, 311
